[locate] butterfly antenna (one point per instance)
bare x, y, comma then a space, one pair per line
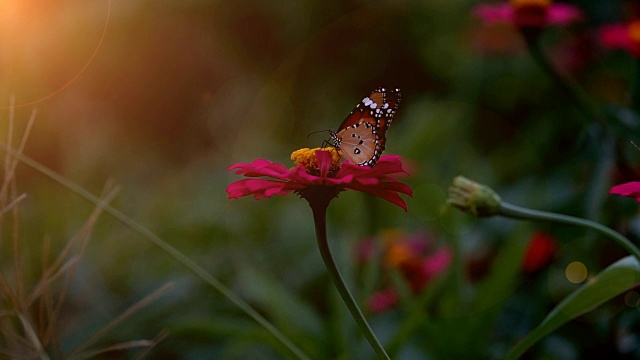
634, 144
319, 131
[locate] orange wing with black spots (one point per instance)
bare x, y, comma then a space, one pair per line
362, 135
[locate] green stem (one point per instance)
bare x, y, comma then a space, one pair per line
319, 216
517, 212
572, 90
601, 175
635, 86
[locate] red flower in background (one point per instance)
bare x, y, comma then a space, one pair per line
541, 250
528, 13
630, 189
382, 300
621, 36
320, 170
415, 258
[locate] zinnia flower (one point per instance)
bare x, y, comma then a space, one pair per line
621, 36
318, 177
542, 248
630, 189
414, 256
528, 14
318, 173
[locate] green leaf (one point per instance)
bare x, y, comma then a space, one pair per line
617, 278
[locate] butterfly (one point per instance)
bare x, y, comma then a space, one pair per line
362, 135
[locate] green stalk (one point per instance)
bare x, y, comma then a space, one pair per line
602, 170
319, 209
634, 90
517, 212
576, 94
156, 240
481, 200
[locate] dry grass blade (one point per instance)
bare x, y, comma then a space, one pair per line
125, 315
65, 268
156, 341
11, 162
62, 263
13, 204
7, 292
16, 343
8, 191
116, 347
33, 338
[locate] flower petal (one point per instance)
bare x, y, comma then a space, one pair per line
324, 162
494, 13
630, 189
261, 167
436, 263
563, 14
300, 175
386, 166
386, 191
378, 180
260, 188
382, 300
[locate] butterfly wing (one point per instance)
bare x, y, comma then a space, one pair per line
359, 143
362, 135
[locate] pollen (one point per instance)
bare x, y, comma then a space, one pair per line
307, 157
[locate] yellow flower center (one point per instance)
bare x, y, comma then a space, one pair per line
307, 158
634, 31
526, 3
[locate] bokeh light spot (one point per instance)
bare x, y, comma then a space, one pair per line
576, 272
631, 298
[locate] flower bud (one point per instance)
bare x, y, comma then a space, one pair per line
470, 196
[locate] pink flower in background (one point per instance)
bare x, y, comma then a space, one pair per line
541, 250
528, 13
414, 256
496, 39
320, 168
630, 189
621, 36
382, 301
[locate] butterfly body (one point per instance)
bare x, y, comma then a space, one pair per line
362, 135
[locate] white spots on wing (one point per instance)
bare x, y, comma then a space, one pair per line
367, 102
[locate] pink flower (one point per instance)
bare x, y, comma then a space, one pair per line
528, 13
542, 248
319, 173
621, 36
382, 300
496, 39
630, 189
414, 257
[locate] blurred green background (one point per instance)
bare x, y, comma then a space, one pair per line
162, 96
